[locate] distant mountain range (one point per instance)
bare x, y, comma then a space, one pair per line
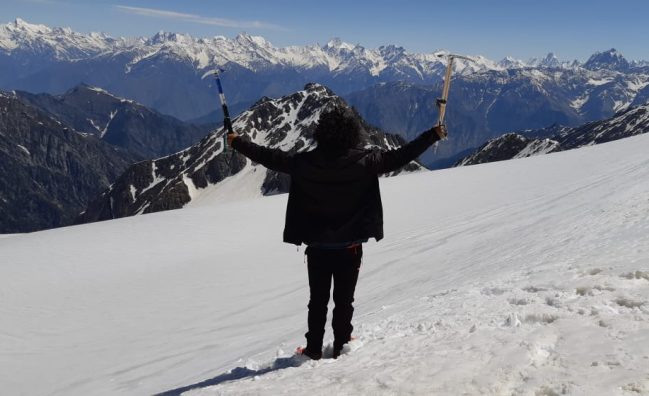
79, 109
627, 123
485, 105
391, 87
164, 71
174, 181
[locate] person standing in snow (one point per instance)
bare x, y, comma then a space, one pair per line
334, 205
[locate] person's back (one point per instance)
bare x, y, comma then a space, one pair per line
334, 206
334, 199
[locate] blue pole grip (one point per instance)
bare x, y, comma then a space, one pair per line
218, 84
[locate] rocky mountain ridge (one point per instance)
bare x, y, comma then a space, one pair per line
631, 122
48, 171
121, 122
201, 171
485, 105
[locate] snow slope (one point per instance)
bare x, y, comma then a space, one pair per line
525, 277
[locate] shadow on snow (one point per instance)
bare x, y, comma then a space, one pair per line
237, 374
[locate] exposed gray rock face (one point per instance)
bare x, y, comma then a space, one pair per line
48, 171
510, 146
171, 182
610, 60
124, 123
631, 122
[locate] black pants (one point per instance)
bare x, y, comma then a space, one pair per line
343, 266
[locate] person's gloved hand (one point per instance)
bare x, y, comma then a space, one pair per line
441, 131
231, 137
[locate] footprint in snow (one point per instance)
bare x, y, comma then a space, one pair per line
629, 303
534, 289
518, 301
493, 291
540, 318
636, 275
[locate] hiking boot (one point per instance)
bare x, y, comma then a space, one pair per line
339, 349
313, 355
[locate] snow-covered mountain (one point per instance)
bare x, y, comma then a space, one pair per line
163, 71
634, 121
205, 172
549, 62
156, 70
488, 98
486, 105
24, 39
609, 60
526, 277
251, 52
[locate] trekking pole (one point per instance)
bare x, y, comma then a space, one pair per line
227, 123
441, 102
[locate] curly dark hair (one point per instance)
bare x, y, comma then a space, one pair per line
338, 129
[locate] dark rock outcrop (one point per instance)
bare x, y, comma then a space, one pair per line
48, 171
631, 122
124, 123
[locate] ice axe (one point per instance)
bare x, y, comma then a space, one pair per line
227, 123
441, 102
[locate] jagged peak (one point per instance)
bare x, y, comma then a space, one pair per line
509, 62
338, 44
316, 87
550, 60
391, 51
87, 87
262, 100
83, 88
163, 37
246, 39
21, 24
612, 52
610, 59
312, 89
392, 48
505, 138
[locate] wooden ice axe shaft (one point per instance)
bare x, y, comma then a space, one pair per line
441, 102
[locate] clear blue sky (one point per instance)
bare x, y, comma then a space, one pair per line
573, 29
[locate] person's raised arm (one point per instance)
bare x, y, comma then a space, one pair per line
274, 159
391, 160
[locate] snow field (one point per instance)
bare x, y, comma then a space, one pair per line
542, 290
526, 277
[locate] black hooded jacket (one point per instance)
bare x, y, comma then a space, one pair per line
334, 197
